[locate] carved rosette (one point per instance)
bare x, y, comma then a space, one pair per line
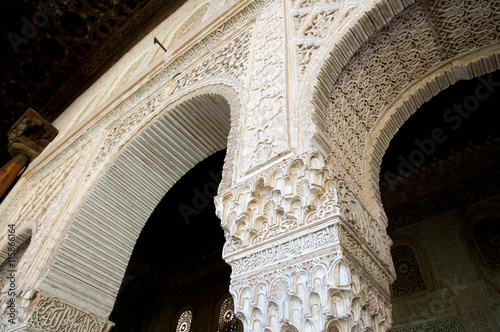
305, 253
40, 311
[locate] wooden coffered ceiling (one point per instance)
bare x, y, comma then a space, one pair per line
52, 50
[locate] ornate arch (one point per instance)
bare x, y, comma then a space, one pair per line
419, 52
336, 51
26, 231
90, 262
22, 240
481, 244
467, 68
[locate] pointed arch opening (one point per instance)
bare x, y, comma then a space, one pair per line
177, 260
440, 172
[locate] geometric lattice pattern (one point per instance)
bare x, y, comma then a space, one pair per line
184, 323
448, 325
227, 319
408, 276
486, 234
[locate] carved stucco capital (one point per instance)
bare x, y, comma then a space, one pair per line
305, 253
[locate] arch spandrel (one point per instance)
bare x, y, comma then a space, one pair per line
322, 61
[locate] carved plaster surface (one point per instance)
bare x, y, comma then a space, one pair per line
294, 217
322, 225
148, 158
40, 311
45, 203
311, 295
314, 23
413, 44
265, 133
300, 219
60, 172
231, 59
50, 194
344, 26
188, 24
136, 98
450, 325
372, 80
178, 65
298, 192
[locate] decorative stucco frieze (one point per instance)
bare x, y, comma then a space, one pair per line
43, 312
316, 294
231, 59
201, 48
284, 251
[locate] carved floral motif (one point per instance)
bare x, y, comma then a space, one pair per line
410, 46
231, 59
265, 134
314, 21
306, 53
320, 23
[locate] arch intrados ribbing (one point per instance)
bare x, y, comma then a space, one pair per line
91, 261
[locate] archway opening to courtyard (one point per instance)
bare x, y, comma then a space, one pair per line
176, 279
440, 188
107, 226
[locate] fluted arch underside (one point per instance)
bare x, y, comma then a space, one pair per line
90, 264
